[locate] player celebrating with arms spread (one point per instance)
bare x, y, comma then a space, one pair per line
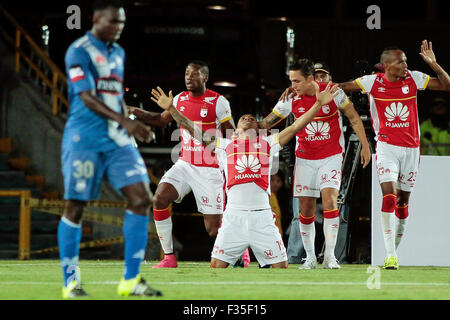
247, 160
197, 168
393, 106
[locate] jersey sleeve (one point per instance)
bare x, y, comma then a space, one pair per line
421, 79
78, 70
221, 144
175, 100
283, 109
223, 110
341, 100
274, 143
366, 82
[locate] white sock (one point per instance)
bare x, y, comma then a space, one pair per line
308, 232
164, 230
388, 227
330, 230
400, 232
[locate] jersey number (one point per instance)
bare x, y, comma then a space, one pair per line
83, 169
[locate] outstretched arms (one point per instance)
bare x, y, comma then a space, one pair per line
166, 103
158, 121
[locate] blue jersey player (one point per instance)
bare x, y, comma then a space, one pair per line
98, 142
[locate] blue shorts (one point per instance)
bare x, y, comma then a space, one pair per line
83, 171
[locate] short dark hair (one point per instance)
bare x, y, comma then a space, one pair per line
103, 4
202, 64
305, 66
386, 52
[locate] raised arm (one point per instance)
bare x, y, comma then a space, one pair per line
358, 127
442, 82
323, 98
166, 102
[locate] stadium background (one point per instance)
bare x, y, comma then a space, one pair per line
246, 45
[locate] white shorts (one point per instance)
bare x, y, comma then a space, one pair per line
312, 176
206, 183
241, 229
397, 164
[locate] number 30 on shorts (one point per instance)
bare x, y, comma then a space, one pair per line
83, 169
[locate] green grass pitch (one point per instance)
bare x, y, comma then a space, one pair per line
42, 280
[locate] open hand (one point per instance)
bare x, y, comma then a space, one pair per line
285, 95
324, 97
161, 99
426, 52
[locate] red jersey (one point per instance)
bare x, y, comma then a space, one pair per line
249, 163
207, 112
323, 137
393, 107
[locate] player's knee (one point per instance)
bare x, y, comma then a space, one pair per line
74, 211
140, 204
160, 201
212, 232
389, 203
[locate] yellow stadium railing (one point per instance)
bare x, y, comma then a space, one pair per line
53, 80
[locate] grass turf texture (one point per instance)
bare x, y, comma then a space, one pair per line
42, 280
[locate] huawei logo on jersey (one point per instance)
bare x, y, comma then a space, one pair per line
317, 131
244, 163
187, 137
397, 111
251, 162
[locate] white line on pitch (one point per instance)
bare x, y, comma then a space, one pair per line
240, 283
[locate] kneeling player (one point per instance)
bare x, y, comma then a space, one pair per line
247, 160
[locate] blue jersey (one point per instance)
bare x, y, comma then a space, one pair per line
92, 64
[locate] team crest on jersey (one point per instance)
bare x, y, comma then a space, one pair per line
405, 89
326, 109
301, 109
203, 112
100, 59
182, 108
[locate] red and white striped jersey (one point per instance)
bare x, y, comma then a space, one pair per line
323, 137
207, 112
393, 107
247, 164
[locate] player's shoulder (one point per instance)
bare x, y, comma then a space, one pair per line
211, 93
77, 48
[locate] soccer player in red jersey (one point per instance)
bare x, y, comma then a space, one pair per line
319, 156
247, 160
197, 168
393, 107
